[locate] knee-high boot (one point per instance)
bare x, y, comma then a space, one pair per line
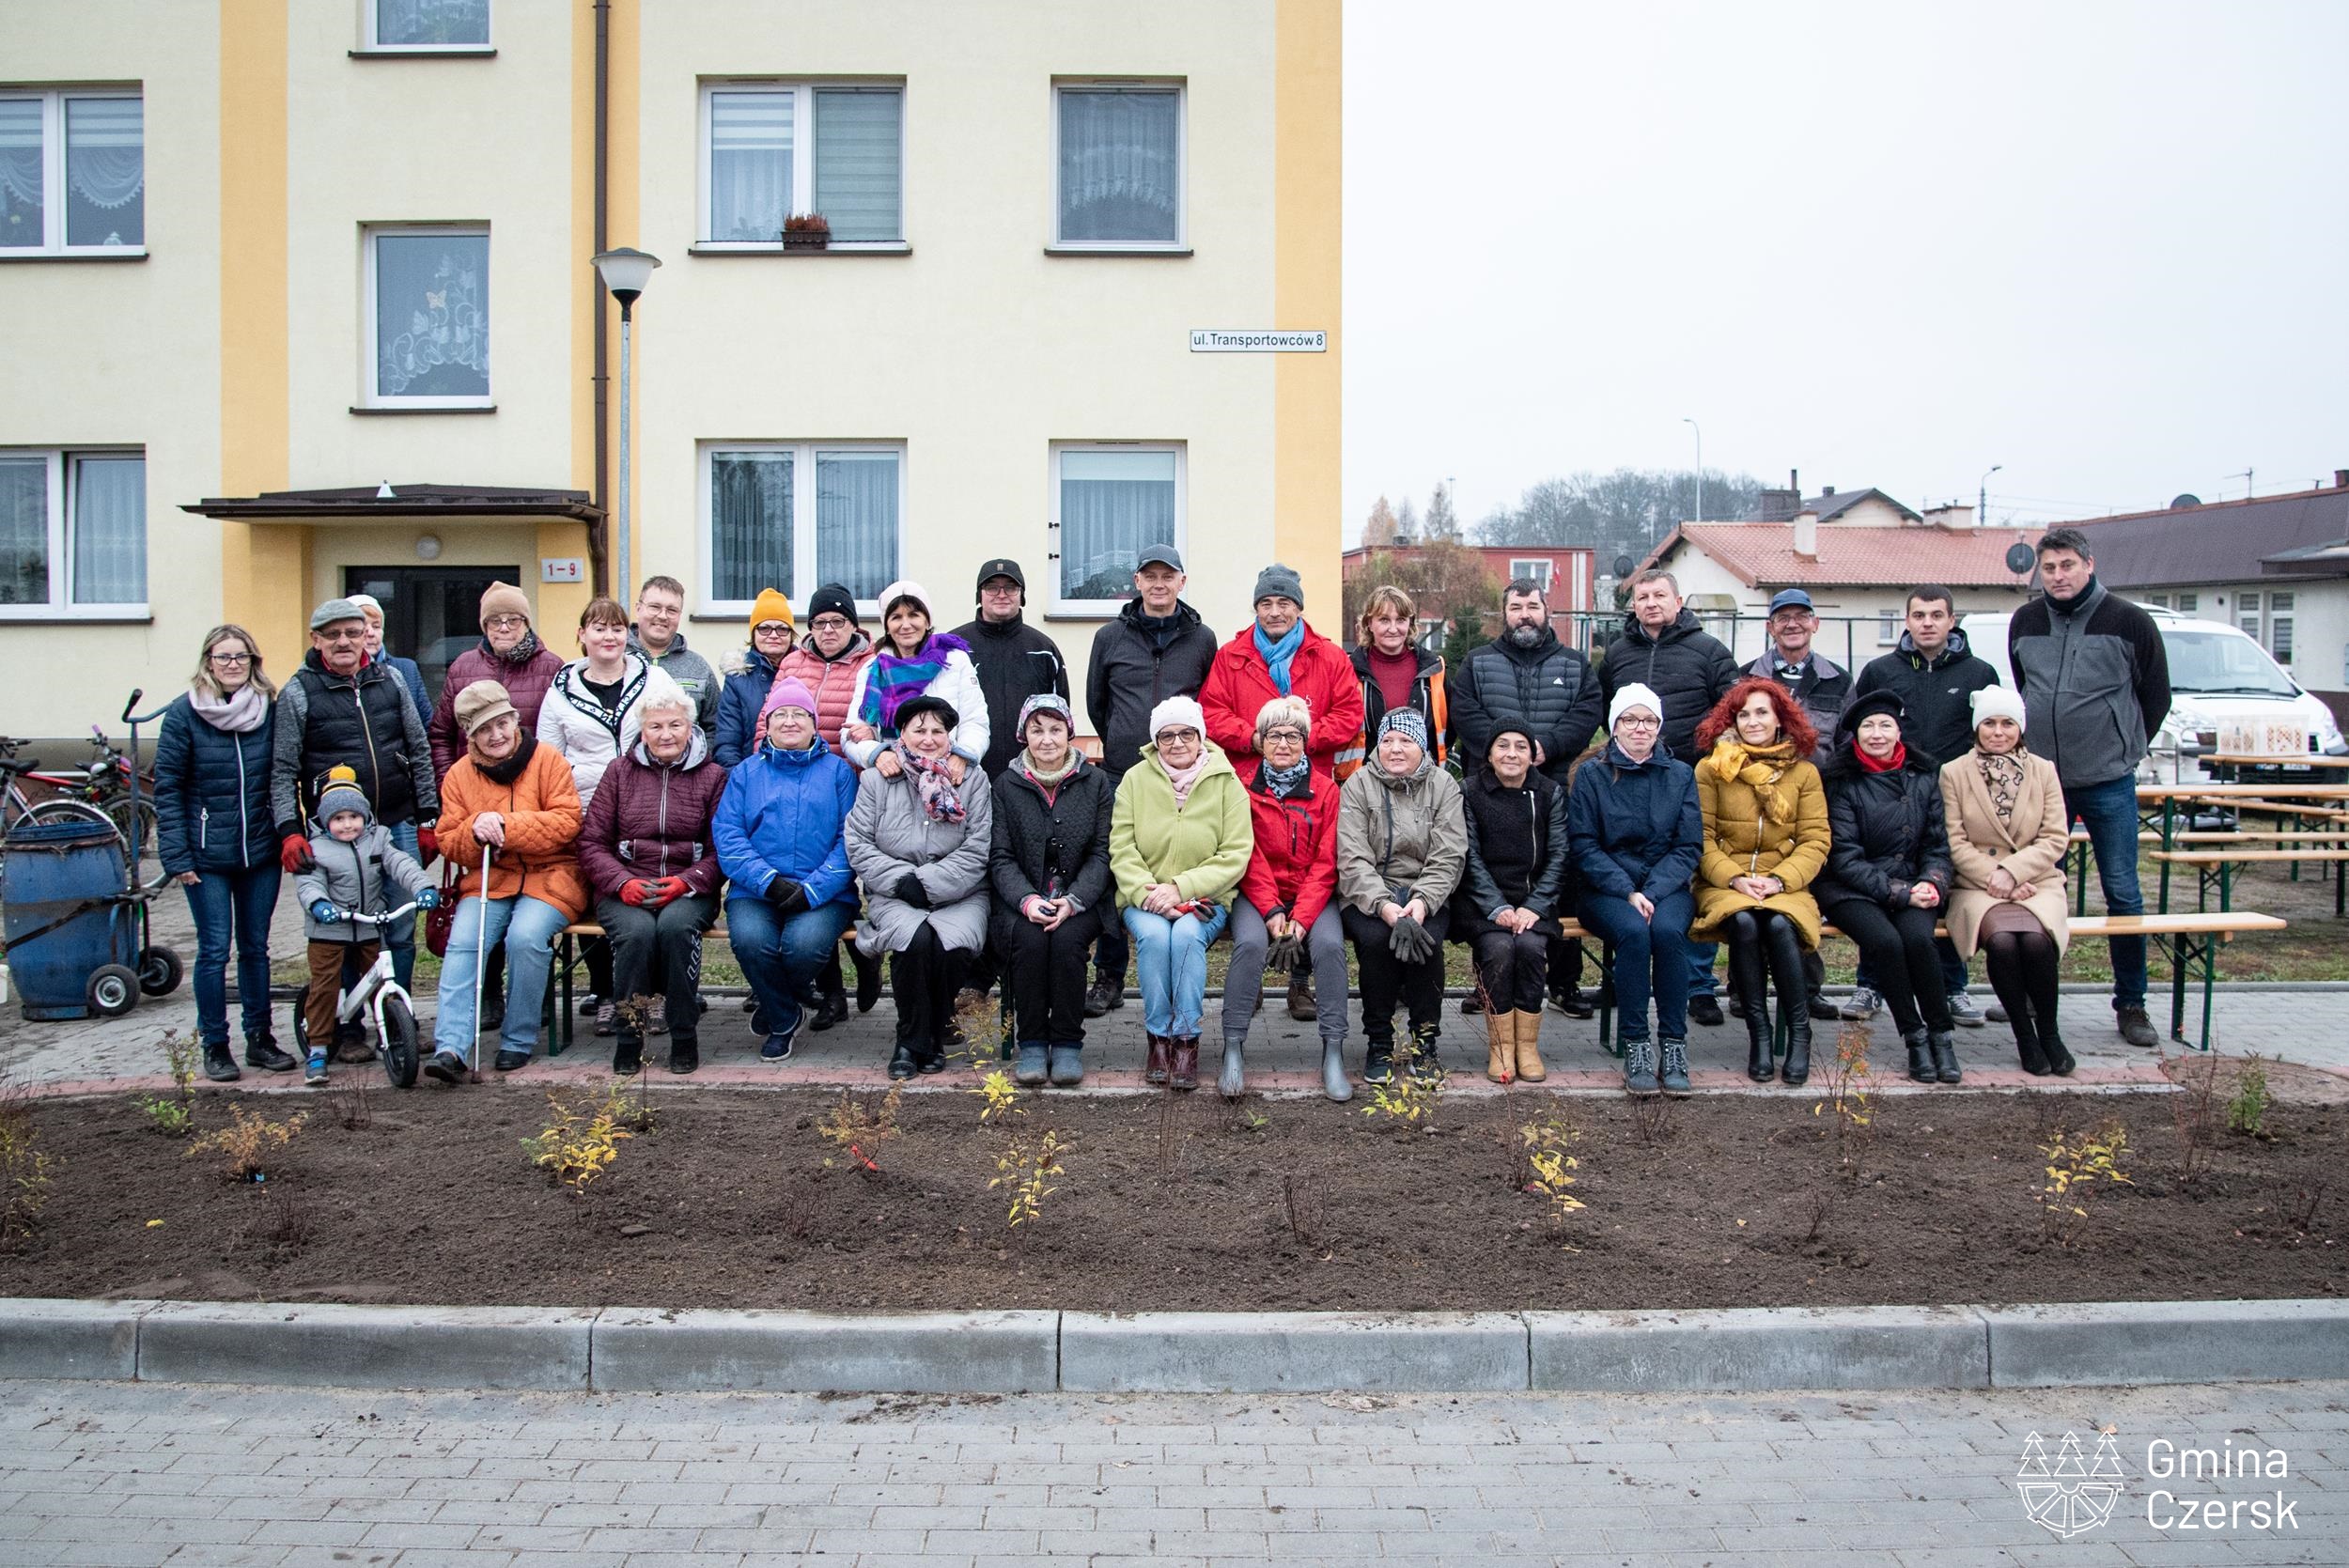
1785, 952
1745, 970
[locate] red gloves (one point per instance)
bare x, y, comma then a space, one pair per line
653, 893
672, 888
294, 854
427, 843
635, 892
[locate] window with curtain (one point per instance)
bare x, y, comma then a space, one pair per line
430, 316
771, 150
749, 524
72, 171
430, 24
2279, 622
766, 528
1113, 503
73, 532
1120, 165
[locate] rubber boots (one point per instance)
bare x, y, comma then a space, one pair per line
1746, 974
1528, 1044
1785, 944
1333, 1080
1233, 1081
1162, 1049
1183, 1062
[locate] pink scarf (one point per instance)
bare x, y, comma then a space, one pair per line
1182, 778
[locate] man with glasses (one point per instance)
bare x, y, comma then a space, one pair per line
1158, 647
1824, 689
653, 633
340, 710
1015, 660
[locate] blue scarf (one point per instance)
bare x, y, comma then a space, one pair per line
1277, 655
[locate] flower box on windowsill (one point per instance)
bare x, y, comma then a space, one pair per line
806, 240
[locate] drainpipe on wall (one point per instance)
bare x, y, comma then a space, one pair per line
600, 540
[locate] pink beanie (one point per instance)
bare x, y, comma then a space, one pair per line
790, 691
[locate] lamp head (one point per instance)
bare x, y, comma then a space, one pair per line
625, 271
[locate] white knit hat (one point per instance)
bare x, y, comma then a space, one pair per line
1177, 711
1998, 702
904, 588
1632, 694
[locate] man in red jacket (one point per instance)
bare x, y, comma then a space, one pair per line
1280, 656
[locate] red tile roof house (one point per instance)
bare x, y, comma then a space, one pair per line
1856, 553
1565, 570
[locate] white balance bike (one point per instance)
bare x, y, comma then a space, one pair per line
377, 1001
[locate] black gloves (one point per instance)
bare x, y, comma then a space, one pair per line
910, 891
1282, 953
787, 896
1410, 941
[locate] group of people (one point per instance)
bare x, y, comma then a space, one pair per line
921, 797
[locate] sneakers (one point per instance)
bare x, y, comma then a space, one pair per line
1639, 1067
447, 1066
1106, 996
1864, 1004
219, 1065
1378, 1062
1068, 1065
607, 1016
657, 1016
262, 1052
1963, 1012
1706, 1009
1675, 1067
2136, 1028
314, 1069
1996, 1014
1573, 1002
782, 1031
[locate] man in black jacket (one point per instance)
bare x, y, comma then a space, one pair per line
2095, 675
1158, 647
1015, 660
1666, 648
1935, 674
1526, 679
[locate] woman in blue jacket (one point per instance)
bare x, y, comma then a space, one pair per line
213, 827
1636, 834
780, 844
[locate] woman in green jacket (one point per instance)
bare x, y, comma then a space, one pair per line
1179, 839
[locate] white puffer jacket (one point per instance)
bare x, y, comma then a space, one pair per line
575, 722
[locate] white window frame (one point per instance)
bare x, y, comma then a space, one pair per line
1107, 609
803, 158
64, 473
1545, 571
1889, 625
53, 196
2281, 624
371, 41
803, 579
1181, 89
369, 316
2190, 604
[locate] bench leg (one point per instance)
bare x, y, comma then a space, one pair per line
559, 1037
1607, 1001
2181, 949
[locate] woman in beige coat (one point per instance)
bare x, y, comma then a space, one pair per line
2007, 836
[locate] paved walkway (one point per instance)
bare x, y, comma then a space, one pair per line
142, 1475
2298, 1026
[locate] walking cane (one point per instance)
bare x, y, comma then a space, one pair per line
481, 963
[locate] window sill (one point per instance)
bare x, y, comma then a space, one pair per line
467, 408
459, 52
1084, 610
1118, 250
95, 614
860, 248
107, 252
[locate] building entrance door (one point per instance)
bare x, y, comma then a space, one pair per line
431, 614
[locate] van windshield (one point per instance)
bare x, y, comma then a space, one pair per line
2220, 664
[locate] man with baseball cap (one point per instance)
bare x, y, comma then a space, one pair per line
1821, 686
1158, 647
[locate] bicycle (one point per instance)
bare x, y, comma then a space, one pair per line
377, 1001
106, 789
16, 806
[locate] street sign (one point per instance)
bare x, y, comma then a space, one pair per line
1213, 340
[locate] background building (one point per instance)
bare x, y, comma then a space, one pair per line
321, 314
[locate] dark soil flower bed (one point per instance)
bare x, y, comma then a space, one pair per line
733, 1200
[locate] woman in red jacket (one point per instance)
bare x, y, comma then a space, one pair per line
1280, 656
1285, 893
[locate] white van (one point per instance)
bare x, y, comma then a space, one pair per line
2217, 676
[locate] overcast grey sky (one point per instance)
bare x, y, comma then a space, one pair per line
1891, 244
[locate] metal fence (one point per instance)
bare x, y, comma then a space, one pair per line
1849, 641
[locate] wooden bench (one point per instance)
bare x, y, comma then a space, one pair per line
2218, 865
2191, 942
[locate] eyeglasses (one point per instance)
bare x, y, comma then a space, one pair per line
830, 623
1295, 737
504, 623
1178, 737
343, 634
1634, 721
232, 659
771, 628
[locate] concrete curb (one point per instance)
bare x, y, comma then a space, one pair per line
639, 1349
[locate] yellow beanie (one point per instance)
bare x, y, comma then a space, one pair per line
771, 605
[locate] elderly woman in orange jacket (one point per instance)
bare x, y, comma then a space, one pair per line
510, 815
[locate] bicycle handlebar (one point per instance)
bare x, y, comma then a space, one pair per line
384, 918
136, 693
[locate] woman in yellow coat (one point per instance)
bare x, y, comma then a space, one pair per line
1765, 840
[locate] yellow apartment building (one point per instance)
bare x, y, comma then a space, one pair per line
302, 303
